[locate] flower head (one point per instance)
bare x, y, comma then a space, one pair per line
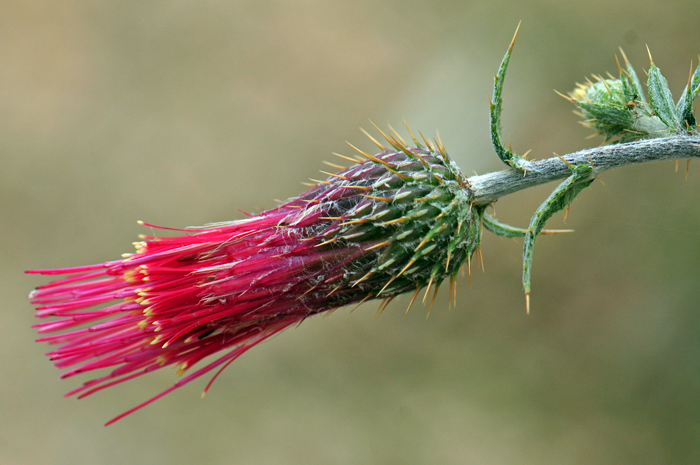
391, 223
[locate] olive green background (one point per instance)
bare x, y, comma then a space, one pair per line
180, 113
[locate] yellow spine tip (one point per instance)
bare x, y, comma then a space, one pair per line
527, 303
624, 57
515, 36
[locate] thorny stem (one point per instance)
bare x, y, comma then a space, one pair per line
487, 188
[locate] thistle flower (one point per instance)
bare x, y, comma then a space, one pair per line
389, 224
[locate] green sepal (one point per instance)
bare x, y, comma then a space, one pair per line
612, 120
661, 99
560, 198
684, 107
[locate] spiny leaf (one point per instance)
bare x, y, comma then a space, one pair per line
494, 226
506, 155
684, 108
560, 198
661, 99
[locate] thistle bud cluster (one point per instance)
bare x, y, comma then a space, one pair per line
618, 109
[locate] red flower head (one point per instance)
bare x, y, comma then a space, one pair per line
391, 223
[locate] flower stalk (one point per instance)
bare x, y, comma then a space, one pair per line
400, 221
489, 187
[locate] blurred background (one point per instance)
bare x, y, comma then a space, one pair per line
180, 113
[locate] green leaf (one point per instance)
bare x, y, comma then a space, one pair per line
559, 199
506, 155
684, 107
661, 99
494, 226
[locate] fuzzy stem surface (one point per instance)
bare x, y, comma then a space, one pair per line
487, 188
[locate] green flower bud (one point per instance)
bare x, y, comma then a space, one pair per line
616, 109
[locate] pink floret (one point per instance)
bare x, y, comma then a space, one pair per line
180, 299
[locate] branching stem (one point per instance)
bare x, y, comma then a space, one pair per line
488, 188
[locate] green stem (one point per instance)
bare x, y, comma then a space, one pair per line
487, 188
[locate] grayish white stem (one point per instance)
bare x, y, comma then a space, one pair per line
488, 188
